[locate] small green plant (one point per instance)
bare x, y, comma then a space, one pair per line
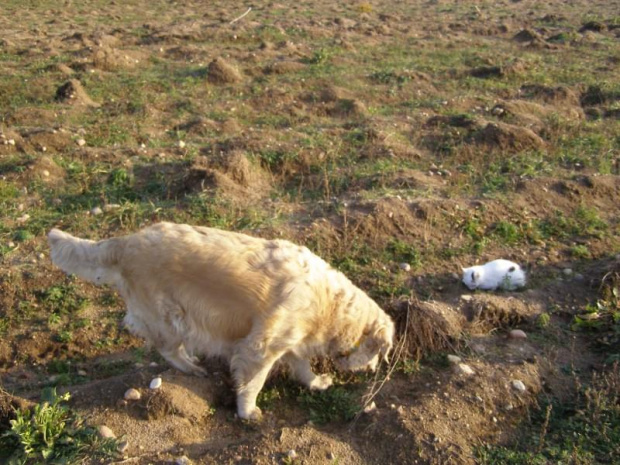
52, 433
62, 299
580, 251
404, 252
335, 404
543, 320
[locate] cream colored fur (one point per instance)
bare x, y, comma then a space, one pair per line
194, 291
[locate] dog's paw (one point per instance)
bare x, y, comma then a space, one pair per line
198, 371
320, 383
254, 414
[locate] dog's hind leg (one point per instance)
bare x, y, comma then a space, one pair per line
302, 372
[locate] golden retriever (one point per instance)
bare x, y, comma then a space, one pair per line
200, 291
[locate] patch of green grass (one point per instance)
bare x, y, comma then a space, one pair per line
62, 299
336, 404
52, 433
584, 431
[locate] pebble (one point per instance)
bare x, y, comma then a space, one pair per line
405, 266
45, 173
579, 277
110, 206
518, 385
96, 211
123, 446
81, 373
466, 297
181, 144
155, 383
81, 142
291, 454
455, 276
517, 334
183, 460
465, 369
11, 141
454, 359
132, 394
370, 408
106, 432
22, 219
11, 244
153, 364
567, 271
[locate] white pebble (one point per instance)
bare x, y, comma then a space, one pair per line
96, 211
153, 364
567, 271
517, 334
465, 369
11, 244
82, 373
45, 173
123, 446
132, 394
518, 385
456, 277
454, 359
155, 383
181, 144
11, 141
183, 460
291, 454
81, 142
466, 297
106, 432
22, 219
370, 408
41, 256
405, 266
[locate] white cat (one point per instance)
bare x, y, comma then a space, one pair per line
502, 274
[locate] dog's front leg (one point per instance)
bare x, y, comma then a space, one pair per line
250, 365
301, 370
177, 356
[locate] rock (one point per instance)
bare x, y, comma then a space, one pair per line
518, 385
456, 277
465, 369
45, 173
567, 271
22, 219
181, 144
454, 359
123, 446
291, 454
81, 142
96, 211
517, 334
371, 407
106, 432
155, 383
183, 460
82, 373
41, 256
466, 297
579, 277
405, 266
132, 394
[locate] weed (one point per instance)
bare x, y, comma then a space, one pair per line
62, 299
335, 404
543, 320
580, 251
404, 252
52, 433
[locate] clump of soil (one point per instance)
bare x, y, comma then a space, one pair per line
73, 93
221, 72
285, 67
111, 59
348, 108
509, 137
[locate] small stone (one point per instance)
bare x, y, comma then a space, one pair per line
132, 394
567, 271
153, 364
123, 446
291, 454
11, 244
81, 373
518, 385
456, 277
45, 173
465, 369
81, 142
405, 266
454, 359
183, 460
155, 383
466, 297
517, 334
181, 144
106, 432
96, 211
22, 219
41, 256
371, 407
331, 456
111, 206
11, 141
579, 277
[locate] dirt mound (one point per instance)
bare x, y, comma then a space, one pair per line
285, 67
110, 59
46, 170
559, 96
487, 312
509, 137
348, 108
526, 35
220, 71
532, 114
73, 93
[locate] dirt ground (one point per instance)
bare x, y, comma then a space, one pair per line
189, 99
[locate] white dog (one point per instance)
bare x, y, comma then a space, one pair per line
201, 291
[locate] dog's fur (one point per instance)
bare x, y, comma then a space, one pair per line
200, 291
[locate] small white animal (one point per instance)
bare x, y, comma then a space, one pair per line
502, 274
194, 291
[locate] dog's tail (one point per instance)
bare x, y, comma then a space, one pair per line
94, 261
